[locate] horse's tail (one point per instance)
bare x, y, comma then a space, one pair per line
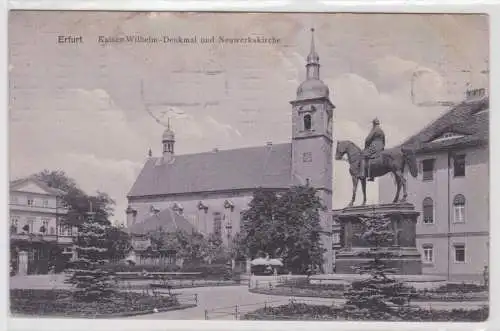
411, 160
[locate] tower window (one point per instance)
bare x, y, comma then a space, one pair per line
307, 122
459, 165
307, 157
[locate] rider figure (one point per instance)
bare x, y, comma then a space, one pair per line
374, 144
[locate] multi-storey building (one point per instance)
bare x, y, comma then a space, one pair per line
452, 190
37, 233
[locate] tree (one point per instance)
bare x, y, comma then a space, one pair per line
188, 246
118, 243
257, 223
95, 236
92, 282
75, 198
378, 296
285, 226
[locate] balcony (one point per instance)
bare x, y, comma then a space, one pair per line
33, 237
38, 209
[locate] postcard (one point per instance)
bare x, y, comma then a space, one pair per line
249, 166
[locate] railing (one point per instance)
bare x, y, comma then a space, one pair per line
238, 311
182, 298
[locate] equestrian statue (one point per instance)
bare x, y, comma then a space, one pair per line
376, 161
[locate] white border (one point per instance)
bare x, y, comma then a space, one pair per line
421, 6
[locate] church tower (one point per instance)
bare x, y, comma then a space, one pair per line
312, 142
168, 141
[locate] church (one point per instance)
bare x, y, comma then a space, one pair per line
208, 191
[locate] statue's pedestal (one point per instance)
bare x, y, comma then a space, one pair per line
406, 258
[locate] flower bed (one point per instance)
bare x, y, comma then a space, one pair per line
316, 312
449, 292
61, 303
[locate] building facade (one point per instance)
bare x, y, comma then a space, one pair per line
37, 233
212, 189
452, 190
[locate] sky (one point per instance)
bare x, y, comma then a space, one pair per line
79, 107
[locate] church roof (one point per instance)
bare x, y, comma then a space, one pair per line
246, 168
466, 124
168, 220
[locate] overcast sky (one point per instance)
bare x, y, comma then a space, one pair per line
78, 108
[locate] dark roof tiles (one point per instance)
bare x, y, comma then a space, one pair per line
245, 168
469, 120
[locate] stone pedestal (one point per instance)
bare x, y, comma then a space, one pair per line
406, 260
23, 263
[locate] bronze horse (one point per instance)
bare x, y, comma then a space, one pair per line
391, 160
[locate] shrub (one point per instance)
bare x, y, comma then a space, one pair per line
459, 288
122, 267
208, 270
318, 312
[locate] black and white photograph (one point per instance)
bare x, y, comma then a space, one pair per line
248, 166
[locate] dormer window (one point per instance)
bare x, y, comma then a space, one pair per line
177, 208
202, 206
153, 210
228, 205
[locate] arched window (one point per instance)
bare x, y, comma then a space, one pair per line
428, 210
307, 122
459, 208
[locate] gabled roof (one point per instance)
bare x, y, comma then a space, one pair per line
246, 168
16, 183
168, 220
469, 121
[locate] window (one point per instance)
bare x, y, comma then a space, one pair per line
217, 224
52, 230
307, 122
30, 222
336, 238
459, 209
307, 157
45, 226
14, 221
31, 202
428, 169
459, 165
459, 253
65, 230
45, 203
14, 200
428, 253
428, 211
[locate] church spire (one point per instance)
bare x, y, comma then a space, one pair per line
312, 60
168, 141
